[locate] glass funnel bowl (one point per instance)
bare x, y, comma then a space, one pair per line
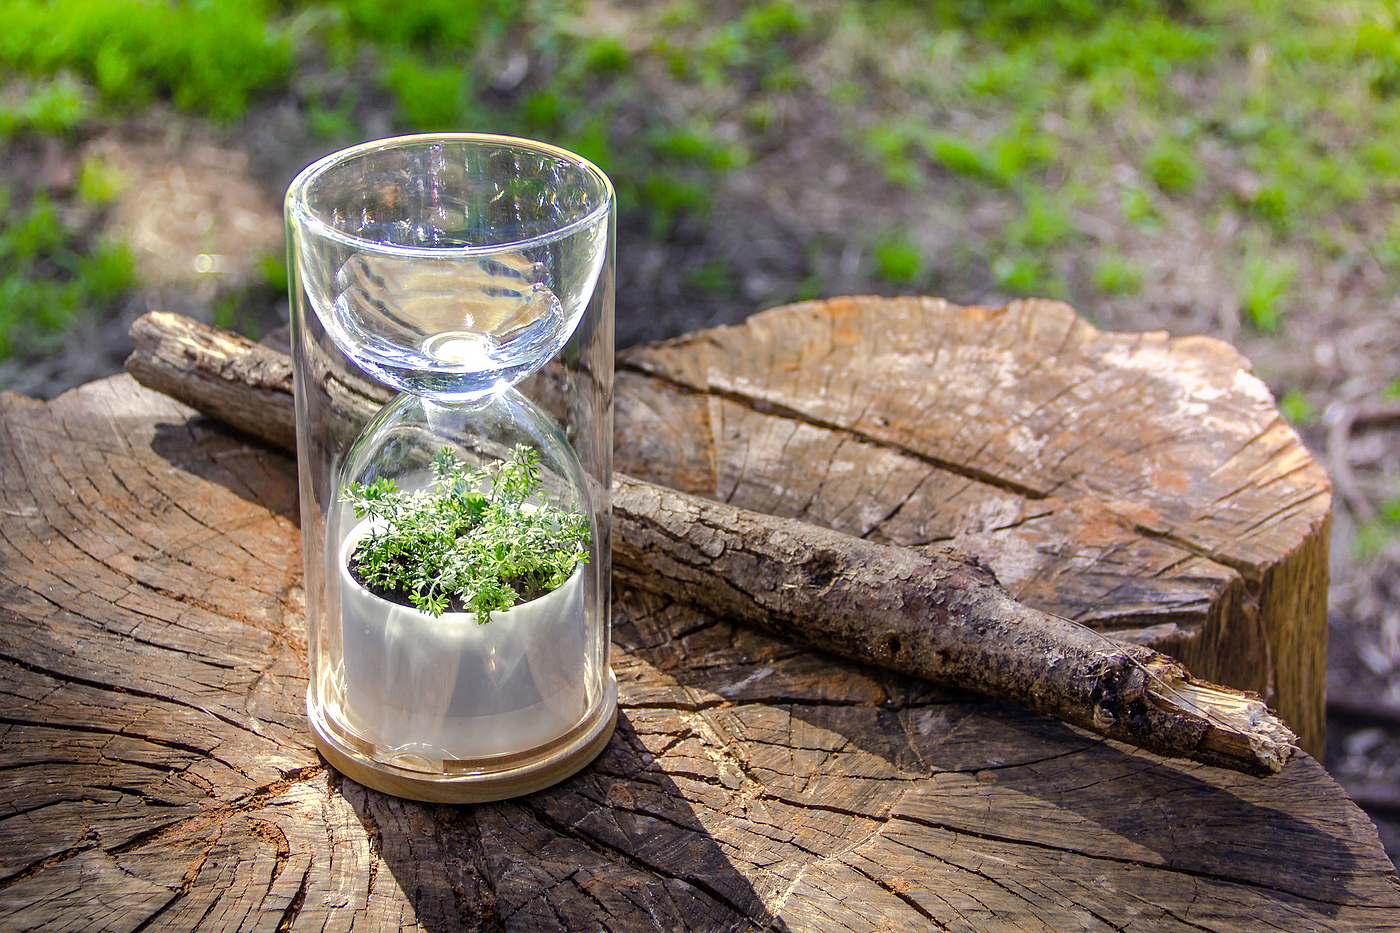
451, 265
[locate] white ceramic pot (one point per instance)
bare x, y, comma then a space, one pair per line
452, 688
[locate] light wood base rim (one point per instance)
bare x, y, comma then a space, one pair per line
477, 787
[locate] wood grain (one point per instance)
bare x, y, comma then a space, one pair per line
1136, 482
158, 773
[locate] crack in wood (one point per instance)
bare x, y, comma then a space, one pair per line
767, 407
613, 854
903, 896
130, 636
55, 859
132, 580
1117, 860
293, 910
975, 873
125, 690
122, 733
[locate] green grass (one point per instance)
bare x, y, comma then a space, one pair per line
55, 105
1373, 535
716, 278
1026, 275
697, 145
1264, 291
1115, 275
898, 259
755, 48
1043, 221
1000, 160
210, 58
1386, 247
99, 185
47, 281
1137, 207
1297, 409
1286, 117
1172, 166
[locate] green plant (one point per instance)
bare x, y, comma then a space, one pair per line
698, 145
1373, 535
1025, 275
472, 542
210, 58
48, 277
1266, 285
1172, 166
605, 56
716, 277
1043, 221
898, 260
962, 157
1296, 409
667, 197
1115, 275
1271, 204
891, 148
235, 311
329, 122
273, 267
1387, 248
757, 45
58, 105
1137, 207
431, 97
98, 183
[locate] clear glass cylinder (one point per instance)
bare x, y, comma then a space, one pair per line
452, 303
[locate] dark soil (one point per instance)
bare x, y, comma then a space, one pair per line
525, 591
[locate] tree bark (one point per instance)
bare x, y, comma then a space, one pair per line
935, 616
932, 615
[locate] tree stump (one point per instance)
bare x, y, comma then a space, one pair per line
159, 774
1140, 484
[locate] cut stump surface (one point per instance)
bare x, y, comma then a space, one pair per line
159, 775
1140, 484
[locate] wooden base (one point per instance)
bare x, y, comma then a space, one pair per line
521, 775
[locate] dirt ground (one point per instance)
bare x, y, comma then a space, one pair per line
201, 211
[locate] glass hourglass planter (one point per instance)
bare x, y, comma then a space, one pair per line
456, 536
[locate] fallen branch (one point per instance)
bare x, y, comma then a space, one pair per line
938, 616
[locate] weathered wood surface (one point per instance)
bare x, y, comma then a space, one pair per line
158, 773
1138, 483
932, 613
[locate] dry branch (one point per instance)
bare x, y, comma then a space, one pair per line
937, 616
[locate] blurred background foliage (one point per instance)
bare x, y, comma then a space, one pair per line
1285, 115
